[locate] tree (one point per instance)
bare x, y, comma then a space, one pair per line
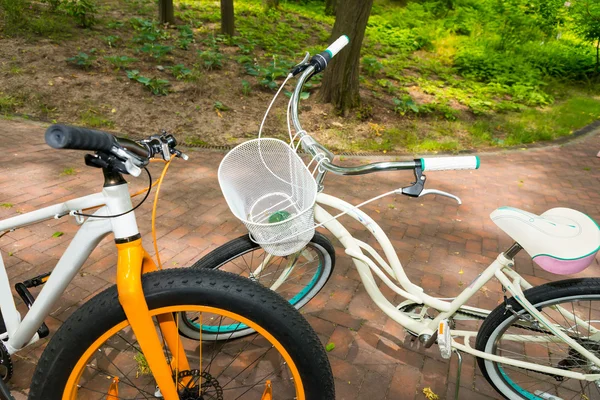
227, 18
165, 12
340, 81
586, 18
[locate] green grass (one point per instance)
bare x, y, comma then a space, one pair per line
535, 125
93, 119
8, 104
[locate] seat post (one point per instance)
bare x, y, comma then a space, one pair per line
512, 251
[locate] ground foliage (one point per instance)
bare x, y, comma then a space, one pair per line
435, 74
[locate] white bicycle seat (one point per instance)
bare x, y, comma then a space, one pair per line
561, 240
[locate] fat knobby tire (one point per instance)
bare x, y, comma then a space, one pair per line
187, 287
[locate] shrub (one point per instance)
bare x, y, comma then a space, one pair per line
14, 18
83, 11
111, 40
180, 72
158, 87
405, 104
211, 59
155, 50
371, 65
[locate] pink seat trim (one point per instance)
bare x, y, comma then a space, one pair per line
564, 267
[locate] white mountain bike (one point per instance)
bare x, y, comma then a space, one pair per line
541, 343
124, 343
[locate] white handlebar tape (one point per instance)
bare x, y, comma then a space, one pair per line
338, 45
449, 163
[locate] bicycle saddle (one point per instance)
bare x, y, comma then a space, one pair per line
561, 240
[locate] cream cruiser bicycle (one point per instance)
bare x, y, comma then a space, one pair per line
541, 343
124, 343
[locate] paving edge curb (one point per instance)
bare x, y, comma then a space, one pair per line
578, 134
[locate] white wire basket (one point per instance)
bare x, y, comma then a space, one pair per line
269, 188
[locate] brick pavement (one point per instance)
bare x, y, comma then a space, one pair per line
442, 246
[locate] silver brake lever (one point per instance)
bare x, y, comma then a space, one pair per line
439, 192
306, 57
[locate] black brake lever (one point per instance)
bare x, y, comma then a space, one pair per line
417, 187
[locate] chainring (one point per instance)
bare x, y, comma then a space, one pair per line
6, 365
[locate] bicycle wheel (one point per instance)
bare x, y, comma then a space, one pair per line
297, 278
520, 337
95, 345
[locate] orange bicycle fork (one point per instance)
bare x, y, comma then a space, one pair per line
133, 260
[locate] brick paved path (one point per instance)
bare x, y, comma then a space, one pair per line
442, 246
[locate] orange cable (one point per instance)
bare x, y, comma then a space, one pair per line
164, 172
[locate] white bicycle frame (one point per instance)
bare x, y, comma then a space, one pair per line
501, 268
115, 200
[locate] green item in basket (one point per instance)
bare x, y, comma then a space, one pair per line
279, 216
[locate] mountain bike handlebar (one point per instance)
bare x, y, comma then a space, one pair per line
317, 64
124, 155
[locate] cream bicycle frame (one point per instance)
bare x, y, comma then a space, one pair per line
501, 268
115, 199
132, 261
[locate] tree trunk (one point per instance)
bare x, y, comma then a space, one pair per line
330, 7
227, 18
165, 12
272, 4
340, 82
598, 57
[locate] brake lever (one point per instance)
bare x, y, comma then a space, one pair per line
300, 67
425, 192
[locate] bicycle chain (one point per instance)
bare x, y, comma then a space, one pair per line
5, 363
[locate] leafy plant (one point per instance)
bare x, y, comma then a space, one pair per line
371, 65
155, 50
246, 48
115, 25
140, 24
83, 11
186, 37
111, 40
211, 59
120, 61
82, 60
246, 87
220, 106
145, 37
8, 103
269, 74
404, 105
158, 87
180, 72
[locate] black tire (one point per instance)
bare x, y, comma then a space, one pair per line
238, 251
500, 320
187, 287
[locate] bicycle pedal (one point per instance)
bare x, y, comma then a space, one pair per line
37, 281
28, 299
444, 340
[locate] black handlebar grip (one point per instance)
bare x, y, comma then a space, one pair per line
76, 138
